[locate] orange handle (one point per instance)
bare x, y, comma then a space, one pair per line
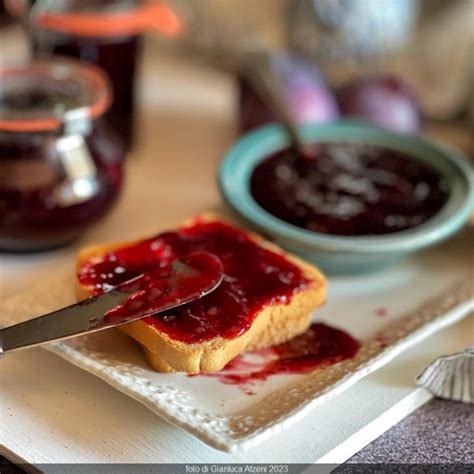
153, 16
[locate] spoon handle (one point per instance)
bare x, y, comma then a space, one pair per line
261, 75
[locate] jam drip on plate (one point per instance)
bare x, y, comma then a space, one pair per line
349, 189
254, 277
320, 346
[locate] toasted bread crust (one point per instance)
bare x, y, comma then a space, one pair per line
273, 325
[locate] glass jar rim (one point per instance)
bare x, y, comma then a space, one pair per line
45, 95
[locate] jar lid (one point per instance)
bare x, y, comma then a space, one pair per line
106, 18
48, 95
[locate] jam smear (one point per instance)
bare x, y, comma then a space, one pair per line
320, 346
165, 287
349, 189
254, 277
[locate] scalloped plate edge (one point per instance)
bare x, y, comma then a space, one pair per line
457, 304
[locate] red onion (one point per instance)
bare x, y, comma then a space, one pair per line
382, 100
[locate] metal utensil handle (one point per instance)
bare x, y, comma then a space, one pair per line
269, 87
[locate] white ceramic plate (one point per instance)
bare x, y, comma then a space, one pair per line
388, 312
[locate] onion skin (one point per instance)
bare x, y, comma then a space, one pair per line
385, 101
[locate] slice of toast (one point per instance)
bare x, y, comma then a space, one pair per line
274, 324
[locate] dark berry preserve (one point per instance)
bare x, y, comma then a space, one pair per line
349, 189
320, 346
70, 29
60, 167
105, 33
118, 58
254, 277
165, 286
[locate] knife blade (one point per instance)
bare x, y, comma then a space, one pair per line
99, 312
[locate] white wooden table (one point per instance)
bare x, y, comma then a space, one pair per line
52, 412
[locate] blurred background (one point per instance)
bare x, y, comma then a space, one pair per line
427, 44
178, 72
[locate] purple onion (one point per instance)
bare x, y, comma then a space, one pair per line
385, 101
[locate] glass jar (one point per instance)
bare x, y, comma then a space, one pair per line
106, 33
57, 29
60, 163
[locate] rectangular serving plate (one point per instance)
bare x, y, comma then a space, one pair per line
388, 312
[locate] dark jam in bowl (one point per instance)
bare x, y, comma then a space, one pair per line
254, 277
349, 189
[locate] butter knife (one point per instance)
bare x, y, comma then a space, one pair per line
188, 279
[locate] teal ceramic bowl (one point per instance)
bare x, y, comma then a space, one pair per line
347, 255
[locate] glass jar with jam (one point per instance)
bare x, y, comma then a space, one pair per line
60, 163
105, 33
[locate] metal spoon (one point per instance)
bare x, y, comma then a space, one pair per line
260, 73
